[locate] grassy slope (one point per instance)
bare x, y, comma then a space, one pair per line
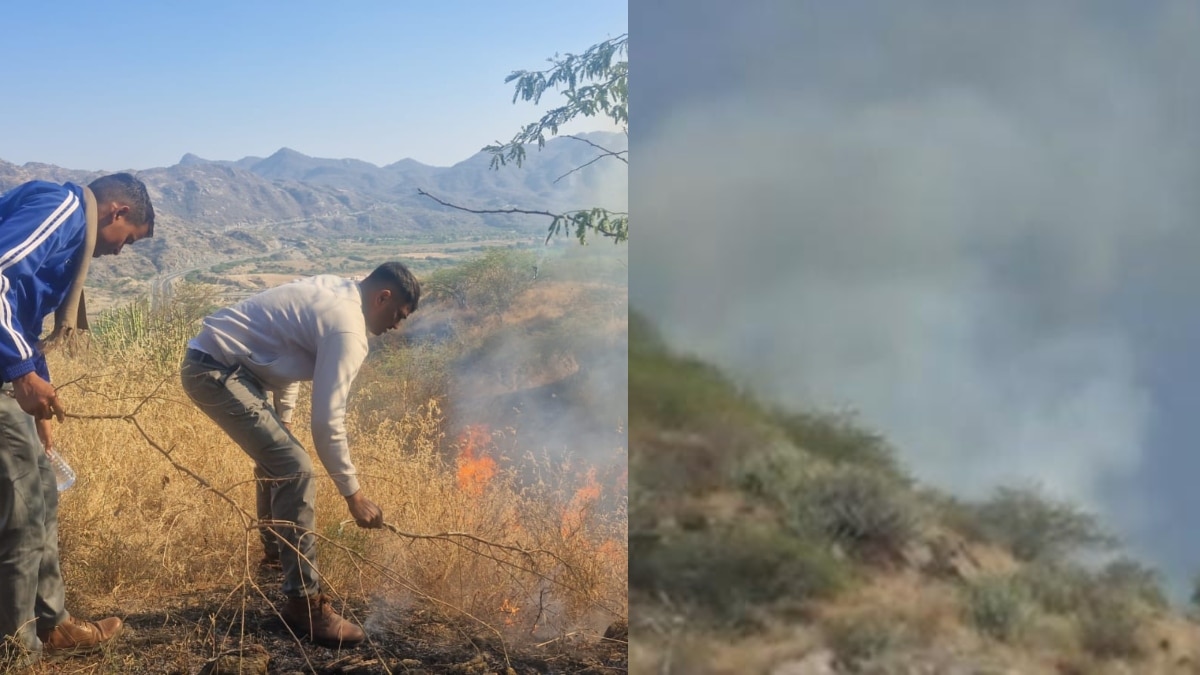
760, 537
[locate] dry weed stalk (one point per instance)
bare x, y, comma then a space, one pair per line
193, 555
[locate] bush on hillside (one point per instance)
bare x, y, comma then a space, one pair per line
839, 439
869, 513
156, 330
727, 574
1034, 527
998, 608
486, 284
1108, 628
1128, 577
1058, 588
672, 392
775, 471
856, 640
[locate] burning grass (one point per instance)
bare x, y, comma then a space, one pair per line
476, 542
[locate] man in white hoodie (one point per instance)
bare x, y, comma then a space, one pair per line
313, 329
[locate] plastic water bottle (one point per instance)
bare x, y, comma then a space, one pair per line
62, 471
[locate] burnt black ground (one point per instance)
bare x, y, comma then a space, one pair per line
181, 634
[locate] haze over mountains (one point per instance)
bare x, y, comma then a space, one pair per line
208, 209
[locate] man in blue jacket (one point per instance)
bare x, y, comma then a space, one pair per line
48, 233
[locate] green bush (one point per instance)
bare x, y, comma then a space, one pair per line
859, 639
1034, 527
868, 512
157, 330
1108, 628
486, 284
839, 439
1058, 588
998, 608
677, 393
726, 574
671, 391
954, 513
1130, 578
777, 471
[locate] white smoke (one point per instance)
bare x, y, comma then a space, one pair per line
946, 229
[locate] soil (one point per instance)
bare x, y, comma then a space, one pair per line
205, 635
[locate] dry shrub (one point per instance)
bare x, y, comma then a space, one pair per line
998, 607
871, 513
728, 576
1108, 629
1035, 526
579, 569
861, 638
135, 529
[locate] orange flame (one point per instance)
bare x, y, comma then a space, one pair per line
585, 496
612, 551
511, 610
475, 468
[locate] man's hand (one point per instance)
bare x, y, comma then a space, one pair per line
366, 513
38, 397
46, 433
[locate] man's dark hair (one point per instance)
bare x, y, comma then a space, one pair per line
397, 277
125, 189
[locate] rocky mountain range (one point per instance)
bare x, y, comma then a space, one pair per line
209, 209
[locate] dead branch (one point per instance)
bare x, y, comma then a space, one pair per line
528, 552
582, 219
463, 208
501, 211
606, 151
586, 164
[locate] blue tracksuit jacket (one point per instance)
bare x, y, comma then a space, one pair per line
42, 229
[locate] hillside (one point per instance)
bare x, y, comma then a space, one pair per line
782, 542
501, 418
213, 211
290, 184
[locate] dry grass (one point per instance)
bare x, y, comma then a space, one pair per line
136, 532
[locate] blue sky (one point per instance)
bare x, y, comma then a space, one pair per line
138, 84
972, 223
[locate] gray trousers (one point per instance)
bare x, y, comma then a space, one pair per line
285, 492
31, 585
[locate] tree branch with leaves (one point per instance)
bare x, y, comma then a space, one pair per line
595, 84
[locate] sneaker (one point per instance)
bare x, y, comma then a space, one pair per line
313, 617
75, 636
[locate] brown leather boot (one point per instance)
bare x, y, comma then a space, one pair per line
270, 564
75, 636
313, 617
